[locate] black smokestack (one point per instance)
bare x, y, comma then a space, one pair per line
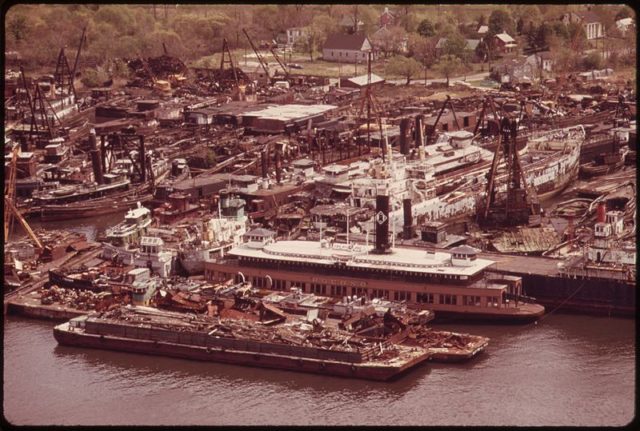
263, 163
278, 168
407, 231
24, 145
419, 136
404, 141
381, 220
143, 160
95, 158
103, 153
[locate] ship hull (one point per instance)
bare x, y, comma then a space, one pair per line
504, 316
379, 371
72, 283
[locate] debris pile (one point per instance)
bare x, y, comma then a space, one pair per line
426, 337
78, 299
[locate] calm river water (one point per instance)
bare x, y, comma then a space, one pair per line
566, 370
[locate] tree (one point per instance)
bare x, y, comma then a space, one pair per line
526, 12
486, 49
482, 20
403, 66
17, 27
625, 12
543, 33
560, 29
500, 21
424, 51
455, 45
593, 61
425, 28
577, 37
321, 27
564, 59
449, 65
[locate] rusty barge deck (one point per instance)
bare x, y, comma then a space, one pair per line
152, 332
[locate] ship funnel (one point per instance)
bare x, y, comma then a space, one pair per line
404, 141
419, 135
96, 159
407, 230
143, 160
602, 212
263, 163
381, 221
278, 167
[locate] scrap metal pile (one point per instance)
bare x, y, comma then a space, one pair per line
294, 334
78, 299
426, 337
159, 67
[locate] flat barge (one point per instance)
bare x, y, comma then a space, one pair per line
288, 347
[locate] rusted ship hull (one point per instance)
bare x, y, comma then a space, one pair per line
528, 313
368, 371
589, 170
87, 209
62, 280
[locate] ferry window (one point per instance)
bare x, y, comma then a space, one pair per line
448, 299
492, 301
426, 298
401, 296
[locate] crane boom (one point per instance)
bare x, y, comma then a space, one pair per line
262, 63
75, 63
275, 55
11, 206
10, 209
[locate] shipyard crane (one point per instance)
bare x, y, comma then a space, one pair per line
369, 99
435, 125
275, 55
10, 210
83, 39
260, 59
38, 104
519, 194
225, 49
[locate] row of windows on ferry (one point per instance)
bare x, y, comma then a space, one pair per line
339, 290
371, 272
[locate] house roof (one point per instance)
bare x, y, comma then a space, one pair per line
623, 23
472, 44
383, 32
441, 43
362, 80
545, 55
345, 41
504, 37
349, 20
386, 12
589, 17
483, 29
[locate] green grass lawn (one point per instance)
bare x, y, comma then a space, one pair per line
319, 67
